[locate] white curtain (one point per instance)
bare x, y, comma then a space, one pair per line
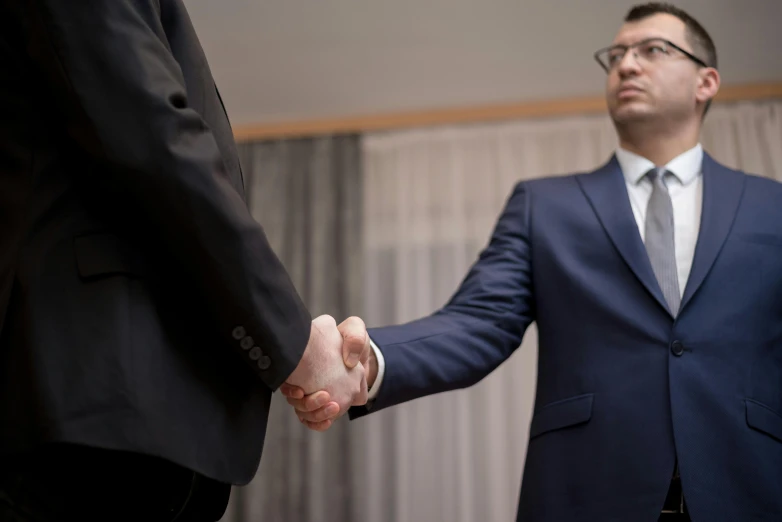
431, 200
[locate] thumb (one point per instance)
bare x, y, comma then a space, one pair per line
291, 391
354, 340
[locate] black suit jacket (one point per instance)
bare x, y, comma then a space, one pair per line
141, 306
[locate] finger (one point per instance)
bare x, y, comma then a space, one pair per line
300, 407
311, 402
318, 426
297, 404
329, 412
364, 394
324, 322
291, 391
366, 355
360, 398
355, 340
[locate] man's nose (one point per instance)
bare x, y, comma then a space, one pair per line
629, 64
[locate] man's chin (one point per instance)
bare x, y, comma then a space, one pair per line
630, 112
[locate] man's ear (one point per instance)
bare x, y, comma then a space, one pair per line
708, 84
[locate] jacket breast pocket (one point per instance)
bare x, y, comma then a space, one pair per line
104, 254
763, 418
758, 238
562, 414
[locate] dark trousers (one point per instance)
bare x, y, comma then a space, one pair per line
65, 482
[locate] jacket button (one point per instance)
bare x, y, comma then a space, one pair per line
238, 333
677, 348
246, 343
264, 362
255, 353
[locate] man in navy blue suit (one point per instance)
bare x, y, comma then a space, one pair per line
656, 285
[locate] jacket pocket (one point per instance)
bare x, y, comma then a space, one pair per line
763, 418
562, 414
763, 238
103, 253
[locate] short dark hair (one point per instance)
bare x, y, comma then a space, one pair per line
697, 36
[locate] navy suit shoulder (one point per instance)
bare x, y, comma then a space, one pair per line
768, 189
552, 184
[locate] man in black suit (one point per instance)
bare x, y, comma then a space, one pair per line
144, 319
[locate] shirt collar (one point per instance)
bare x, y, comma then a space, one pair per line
686, 166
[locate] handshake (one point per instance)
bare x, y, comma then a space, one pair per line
333, 373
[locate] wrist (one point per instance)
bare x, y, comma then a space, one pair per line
372, 369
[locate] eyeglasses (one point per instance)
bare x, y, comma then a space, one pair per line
650, 50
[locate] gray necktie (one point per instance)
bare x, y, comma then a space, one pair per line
659, 239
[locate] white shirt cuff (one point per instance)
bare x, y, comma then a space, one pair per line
381, 370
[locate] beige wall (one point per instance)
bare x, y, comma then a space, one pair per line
301, 59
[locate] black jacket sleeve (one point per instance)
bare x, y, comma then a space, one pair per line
125, 102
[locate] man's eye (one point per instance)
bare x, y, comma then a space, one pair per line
615, 57
655, 49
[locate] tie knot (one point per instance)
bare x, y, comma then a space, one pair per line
657, 175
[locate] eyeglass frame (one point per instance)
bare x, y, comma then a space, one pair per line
646, 40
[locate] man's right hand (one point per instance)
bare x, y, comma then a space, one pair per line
323, 369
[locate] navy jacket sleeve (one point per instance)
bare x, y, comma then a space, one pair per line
478, 329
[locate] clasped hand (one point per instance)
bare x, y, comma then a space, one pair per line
332, 374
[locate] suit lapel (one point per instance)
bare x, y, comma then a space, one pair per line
606, 191
722, 192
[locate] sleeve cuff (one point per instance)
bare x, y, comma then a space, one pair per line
381, 370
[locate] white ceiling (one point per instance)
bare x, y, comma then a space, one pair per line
278, 60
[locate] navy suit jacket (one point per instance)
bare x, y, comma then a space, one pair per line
623, 387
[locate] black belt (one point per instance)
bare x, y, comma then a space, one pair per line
674, 507
674, 501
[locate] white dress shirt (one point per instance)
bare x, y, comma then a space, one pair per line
686, 190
